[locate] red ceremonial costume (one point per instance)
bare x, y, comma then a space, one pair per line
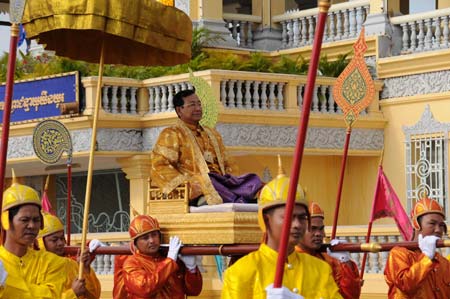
412, 274
144, 276
345, 274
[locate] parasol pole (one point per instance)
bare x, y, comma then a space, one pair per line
324, 5
87, 199
16, 12
341, 181
69, 197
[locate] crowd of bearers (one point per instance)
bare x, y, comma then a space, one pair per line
345, 271
51, 238
26, 273
149, 273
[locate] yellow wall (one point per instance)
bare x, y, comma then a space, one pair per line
320, 176
403, 112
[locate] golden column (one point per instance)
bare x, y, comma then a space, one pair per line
137, 170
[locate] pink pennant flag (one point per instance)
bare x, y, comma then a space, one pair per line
387, 204
46, 205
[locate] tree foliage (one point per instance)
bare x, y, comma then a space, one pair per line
30, 67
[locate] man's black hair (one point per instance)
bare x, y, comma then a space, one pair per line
178, 98
14, 210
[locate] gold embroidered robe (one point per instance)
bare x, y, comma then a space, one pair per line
187, 153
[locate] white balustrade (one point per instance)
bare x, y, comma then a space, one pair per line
119, 99
241, 28
424, 31
344, 21
236, 90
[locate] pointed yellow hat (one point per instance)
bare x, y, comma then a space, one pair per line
17, 195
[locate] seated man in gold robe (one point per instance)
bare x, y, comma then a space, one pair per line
345, 271
51, 238
31, 274
421, 273
305, 276
189, 152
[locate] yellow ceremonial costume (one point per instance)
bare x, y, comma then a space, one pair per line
303, 274
410, 274
186, 153
52, 224
346, 275
37, 274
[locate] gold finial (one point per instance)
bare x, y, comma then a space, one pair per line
14, 179
280, 168
133, 210
46, 182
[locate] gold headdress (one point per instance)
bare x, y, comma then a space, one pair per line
275, 193
17, 195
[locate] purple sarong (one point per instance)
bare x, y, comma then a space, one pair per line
238, 189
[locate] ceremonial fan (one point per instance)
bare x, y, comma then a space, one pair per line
140, 32
50, 140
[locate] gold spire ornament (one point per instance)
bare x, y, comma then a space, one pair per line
354, 89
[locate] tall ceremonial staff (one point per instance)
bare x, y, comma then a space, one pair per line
50, 140
353, 91
92, 31
16, 8
324, 5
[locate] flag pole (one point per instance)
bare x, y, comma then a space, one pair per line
324, 5
16, 12
69, 197
369, 227
341, 181
352, 103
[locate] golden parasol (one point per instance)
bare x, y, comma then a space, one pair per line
139, 32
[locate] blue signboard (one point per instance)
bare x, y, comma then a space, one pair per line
41, 98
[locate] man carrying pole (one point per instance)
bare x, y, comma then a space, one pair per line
345, 271
421, 273
30, 274
251, 277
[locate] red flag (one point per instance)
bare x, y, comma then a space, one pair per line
387, 204
46, 205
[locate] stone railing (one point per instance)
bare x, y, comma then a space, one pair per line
234, 89
242, 27
344, 21
424, 31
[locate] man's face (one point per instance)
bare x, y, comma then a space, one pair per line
191, 112
432, 225
274, 223
313, 238
149, 243
25, 225
55, 243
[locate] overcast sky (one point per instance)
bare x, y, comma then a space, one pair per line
5, 35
